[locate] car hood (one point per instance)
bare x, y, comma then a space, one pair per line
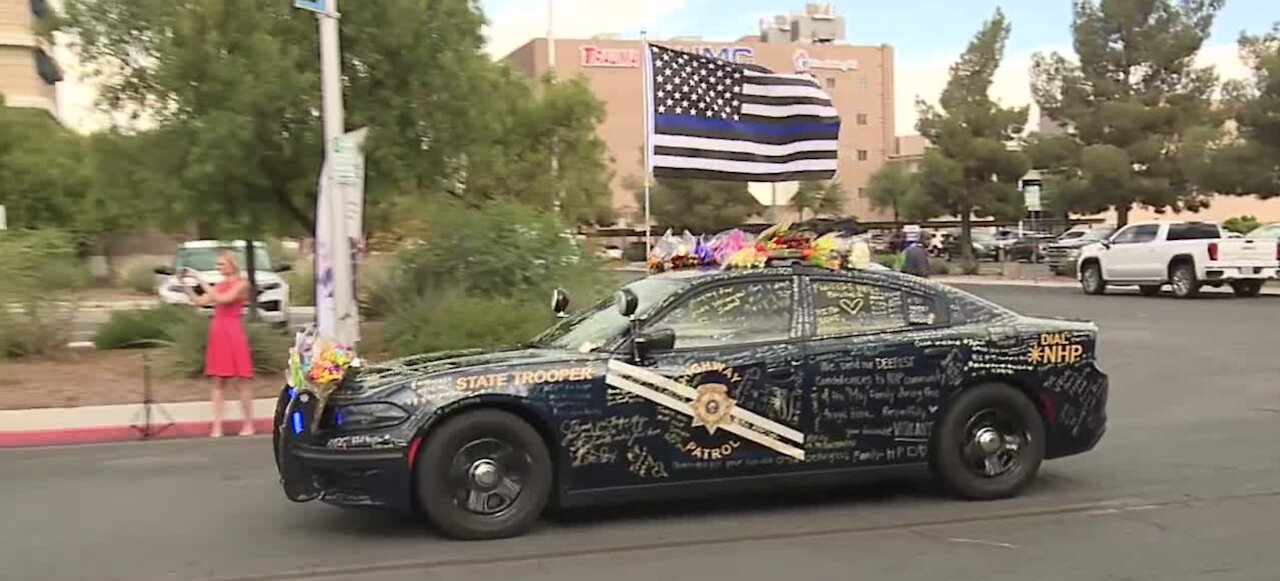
215, 277
436, 372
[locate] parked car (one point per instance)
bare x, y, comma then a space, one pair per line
1065, 251
1265, 232
202, 256
1185, 255
1029, 247
985, 245
705, 383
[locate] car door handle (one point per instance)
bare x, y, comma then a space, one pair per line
937, 352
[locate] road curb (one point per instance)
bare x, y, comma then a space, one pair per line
110, 434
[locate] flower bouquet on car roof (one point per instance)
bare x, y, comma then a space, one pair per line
679, 253
317, 365
782, 242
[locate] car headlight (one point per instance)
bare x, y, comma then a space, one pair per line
368, 416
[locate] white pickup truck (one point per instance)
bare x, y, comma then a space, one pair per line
1185, 255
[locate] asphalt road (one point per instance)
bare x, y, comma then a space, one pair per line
1186, 485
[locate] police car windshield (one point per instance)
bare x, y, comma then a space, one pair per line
601, 323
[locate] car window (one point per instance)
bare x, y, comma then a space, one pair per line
1194, 232
742, 312
601, 323
1071, 236
206, 259
1268, 232
1137, 234
847, 307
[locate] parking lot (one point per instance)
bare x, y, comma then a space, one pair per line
1186, 485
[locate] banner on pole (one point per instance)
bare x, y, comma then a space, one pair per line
343, 176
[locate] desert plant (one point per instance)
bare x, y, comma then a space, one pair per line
140, 279
135, 328
189, 338
1241, 224
34, 328
455, 320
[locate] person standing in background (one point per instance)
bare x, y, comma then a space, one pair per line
227, 355
915, 258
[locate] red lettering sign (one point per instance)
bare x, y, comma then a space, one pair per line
618, 58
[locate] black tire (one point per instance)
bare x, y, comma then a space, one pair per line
1091, 279
1149, 290
1247, 289
1183, 277
954, 447
446, 475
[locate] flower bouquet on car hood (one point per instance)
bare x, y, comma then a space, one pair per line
317, 365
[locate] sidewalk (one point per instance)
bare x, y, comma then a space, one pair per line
116, 423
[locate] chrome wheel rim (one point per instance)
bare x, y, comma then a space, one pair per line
1181, 281
488, 476
994, 443
1091, 277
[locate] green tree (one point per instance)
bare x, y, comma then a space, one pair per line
1241, 224
971, 170
43, 180
234, 84
818, 198
699, 206
895, 188
1129, 102
1246, 161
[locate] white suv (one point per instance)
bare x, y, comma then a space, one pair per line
202, 256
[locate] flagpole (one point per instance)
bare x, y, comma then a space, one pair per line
648, 145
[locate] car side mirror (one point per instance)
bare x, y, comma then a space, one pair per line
627, 302
655, 341
560, 302
164, 270
284, 267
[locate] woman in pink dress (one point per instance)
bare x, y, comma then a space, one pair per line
227, 355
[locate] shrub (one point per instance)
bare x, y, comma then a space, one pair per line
302, 284
35, 263
34, 328
190, 336
885, 259
939, 267
140, 279
455, 320
126, 329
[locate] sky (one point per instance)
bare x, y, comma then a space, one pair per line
927, 35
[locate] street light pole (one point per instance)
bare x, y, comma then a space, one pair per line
555, 140
334, 127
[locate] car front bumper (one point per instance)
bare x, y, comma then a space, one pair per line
311, 467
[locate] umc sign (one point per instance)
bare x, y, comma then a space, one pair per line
628, 58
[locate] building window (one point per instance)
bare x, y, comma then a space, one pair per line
47, 69
831, 82
40, 8
862, 118
862, 155
862, 82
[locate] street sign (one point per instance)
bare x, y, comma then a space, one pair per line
348, 162
321, 6
1031, 198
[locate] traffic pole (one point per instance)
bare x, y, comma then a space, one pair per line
334, 127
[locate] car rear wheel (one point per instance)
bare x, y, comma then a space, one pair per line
1185, 285
484, 475
989, 444
1091, 279
1149, 290
1247, 289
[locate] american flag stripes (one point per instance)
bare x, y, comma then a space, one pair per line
716, 120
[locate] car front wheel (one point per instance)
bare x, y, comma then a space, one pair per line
484, 475
989, 444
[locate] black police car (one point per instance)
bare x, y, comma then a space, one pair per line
706, 382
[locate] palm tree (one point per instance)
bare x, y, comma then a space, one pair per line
819, 198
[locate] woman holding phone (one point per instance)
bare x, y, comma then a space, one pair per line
227, 357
